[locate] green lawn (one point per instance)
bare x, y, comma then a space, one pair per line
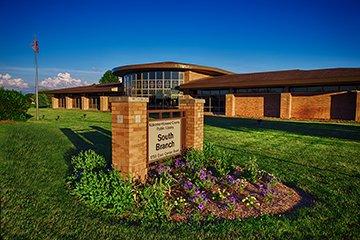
323, 159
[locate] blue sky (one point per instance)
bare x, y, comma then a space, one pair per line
85, 38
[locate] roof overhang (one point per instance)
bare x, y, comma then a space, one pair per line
169, 66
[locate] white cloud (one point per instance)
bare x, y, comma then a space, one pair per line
62, 80
8, 82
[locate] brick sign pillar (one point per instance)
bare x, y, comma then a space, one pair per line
69, 102
84, 103
230, 105
285, 106
129, 135
194, 122
54, 102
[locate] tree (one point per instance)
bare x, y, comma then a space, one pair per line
44, 99
108, 77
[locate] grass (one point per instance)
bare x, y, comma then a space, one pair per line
319, 158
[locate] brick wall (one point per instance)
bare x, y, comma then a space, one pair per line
257, 105
69, 102
54, 102
321, 106
104, 103
325, 106
84, 103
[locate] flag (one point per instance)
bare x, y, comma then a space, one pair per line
35, 46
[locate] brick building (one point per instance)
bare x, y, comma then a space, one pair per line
322, 94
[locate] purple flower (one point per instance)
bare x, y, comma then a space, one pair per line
160, 168
230, 179
197, 193
264, 190
188, 185
179, 163
201, 206
202, 174
204, 196
232, 199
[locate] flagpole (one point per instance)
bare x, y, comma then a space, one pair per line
36, 84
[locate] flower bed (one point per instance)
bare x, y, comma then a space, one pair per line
200, 185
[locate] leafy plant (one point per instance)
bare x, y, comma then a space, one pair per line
252, 172
13, 105
154, 205
99, 187
88, 161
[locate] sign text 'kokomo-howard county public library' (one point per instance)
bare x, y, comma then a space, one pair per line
141, 136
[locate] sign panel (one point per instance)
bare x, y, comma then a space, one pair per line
164, 139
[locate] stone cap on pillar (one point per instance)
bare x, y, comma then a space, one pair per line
189, 99
128, 99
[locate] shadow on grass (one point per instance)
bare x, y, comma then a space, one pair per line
284, 161
348, 132
95, 139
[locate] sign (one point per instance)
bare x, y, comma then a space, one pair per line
164, 139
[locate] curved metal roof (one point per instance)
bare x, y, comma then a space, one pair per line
211, 71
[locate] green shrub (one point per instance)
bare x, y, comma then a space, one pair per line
88, 161
13, 105
106, 190
100, 187
154, 205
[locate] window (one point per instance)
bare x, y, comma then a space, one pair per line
262, 90
314, 89
138, 76
241, 90
175, 75
175, 83
152, 84
159, 75
330, 88
224, 92
167, 84
347, 88
152, 75
138, 84
167, 75
214, 92
145, 75
298, 89
145, 84
159, 83
276, 90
